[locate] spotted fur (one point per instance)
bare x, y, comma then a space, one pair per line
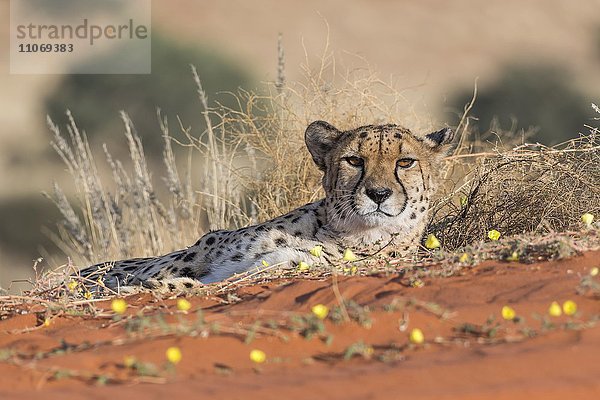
378, 181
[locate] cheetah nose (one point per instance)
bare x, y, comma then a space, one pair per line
379, 195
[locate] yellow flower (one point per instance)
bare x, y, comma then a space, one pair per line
494, 234
264, 263
508, 313
349, 255
464, 258
417, 283
183, 305
129, 361
173, 355
554, 309
513, 257
587, 219
416, 336
569, 307
320, 310
354, 270
432, 242
302, 266
47, 322
72, 285
594, 271
316, 251
87, 295
464, 200
258, 356
119, 306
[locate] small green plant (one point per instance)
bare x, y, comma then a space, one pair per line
6, 353
60, 374
356, 312
359, 349
252, 332
487, 330
308, 326
589, 285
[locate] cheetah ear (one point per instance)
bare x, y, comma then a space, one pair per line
437, 140
320, 137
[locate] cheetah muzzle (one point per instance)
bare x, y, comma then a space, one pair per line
378, 182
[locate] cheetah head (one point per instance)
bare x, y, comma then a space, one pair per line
377, 177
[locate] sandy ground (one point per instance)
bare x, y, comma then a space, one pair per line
533, 357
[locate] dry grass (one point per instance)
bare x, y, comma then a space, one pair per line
248, 166
251, 164
530, 188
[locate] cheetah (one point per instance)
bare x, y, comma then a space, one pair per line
378, 182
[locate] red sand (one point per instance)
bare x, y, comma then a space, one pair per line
555, 364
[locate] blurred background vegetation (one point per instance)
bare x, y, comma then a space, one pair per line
96, 100
537, 67
538, 98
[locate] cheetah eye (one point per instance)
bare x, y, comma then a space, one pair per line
355, 161
405, 163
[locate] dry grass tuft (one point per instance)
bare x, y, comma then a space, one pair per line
530, 188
